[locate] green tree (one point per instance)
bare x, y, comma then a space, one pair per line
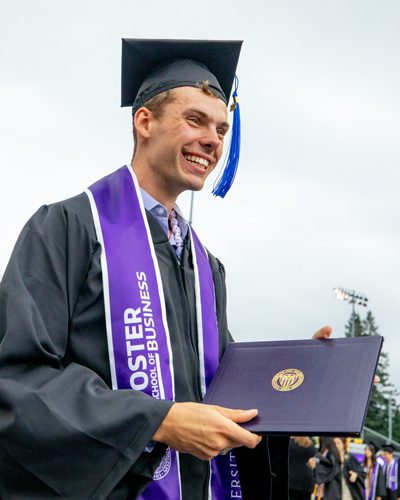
358, 327
396, 423
369, 326
378, 410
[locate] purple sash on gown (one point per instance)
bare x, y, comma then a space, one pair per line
373, 481
137, 330
392, 475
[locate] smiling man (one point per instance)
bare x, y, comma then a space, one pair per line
113, 315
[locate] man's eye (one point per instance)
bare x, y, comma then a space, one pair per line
221, 131
194, 119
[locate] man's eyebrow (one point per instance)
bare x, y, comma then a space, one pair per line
224, 124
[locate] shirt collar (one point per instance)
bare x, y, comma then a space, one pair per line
158, 211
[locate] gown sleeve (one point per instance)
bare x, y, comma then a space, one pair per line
327, 469
63, 432
356, 488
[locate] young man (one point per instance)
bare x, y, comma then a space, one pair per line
111, 309
391, 474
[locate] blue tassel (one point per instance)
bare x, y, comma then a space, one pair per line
228, 172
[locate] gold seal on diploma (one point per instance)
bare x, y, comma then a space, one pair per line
287, 380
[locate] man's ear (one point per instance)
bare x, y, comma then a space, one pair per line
142, 122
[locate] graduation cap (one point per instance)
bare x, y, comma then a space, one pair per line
150, 67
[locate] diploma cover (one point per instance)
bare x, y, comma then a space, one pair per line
300, 387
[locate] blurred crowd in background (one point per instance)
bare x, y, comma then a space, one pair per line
327, 468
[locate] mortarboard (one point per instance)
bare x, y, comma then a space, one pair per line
150, 67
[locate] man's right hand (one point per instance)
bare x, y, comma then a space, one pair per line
205, 430
312, 462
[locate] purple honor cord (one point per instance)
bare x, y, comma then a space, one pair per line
137, 330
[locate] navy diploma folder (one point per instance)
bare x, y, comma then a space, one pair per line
300, 387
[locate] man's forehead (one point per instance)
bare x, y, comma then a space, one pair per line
198, 99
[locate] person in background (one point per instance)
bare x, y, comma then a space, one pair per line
326, 471
391, 474
301, 478
374, 478
340, 474
353, 475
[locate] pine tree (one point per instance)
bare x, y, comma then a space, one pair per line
358, 327
369, 326
378, 410
396, 424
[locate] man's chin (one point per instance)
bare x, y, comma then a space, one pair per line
197, 188
196, 184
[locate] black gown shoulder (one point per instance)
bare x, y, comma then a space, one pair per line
61, 414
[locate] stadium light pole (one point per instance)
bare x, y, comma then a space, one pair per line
354, 298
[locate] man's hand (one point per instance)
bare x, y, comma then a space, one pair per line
312, 463
323, 333
205, 430
353, 476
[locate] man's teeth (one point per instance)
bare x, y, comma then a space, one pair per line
197, 159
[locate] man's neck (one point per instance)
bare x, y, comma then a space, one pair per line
162, 195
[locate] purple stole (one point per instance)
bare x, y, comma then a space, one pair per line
392, 475
374, 480
138, 338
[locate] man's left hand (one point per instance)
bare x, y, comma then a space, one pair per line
353, 476
323, 333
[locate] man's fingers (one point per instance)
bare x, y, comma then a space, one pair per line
323, 333
205, 430
247, 438
238, 436
241, 436
238, 416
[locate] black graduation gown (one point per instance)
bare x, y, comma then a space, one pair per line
329, 473
357, 488
63, 431
301, 477
388, 494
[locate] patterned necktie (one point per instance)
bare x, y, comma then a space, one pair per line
176, 231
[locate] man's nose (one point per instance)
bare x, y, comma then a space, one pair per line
210, 140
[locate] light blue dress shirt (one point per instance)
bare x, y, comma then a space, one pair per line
158, 211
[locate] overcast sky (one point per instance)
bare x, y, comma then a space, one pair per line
316, 201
